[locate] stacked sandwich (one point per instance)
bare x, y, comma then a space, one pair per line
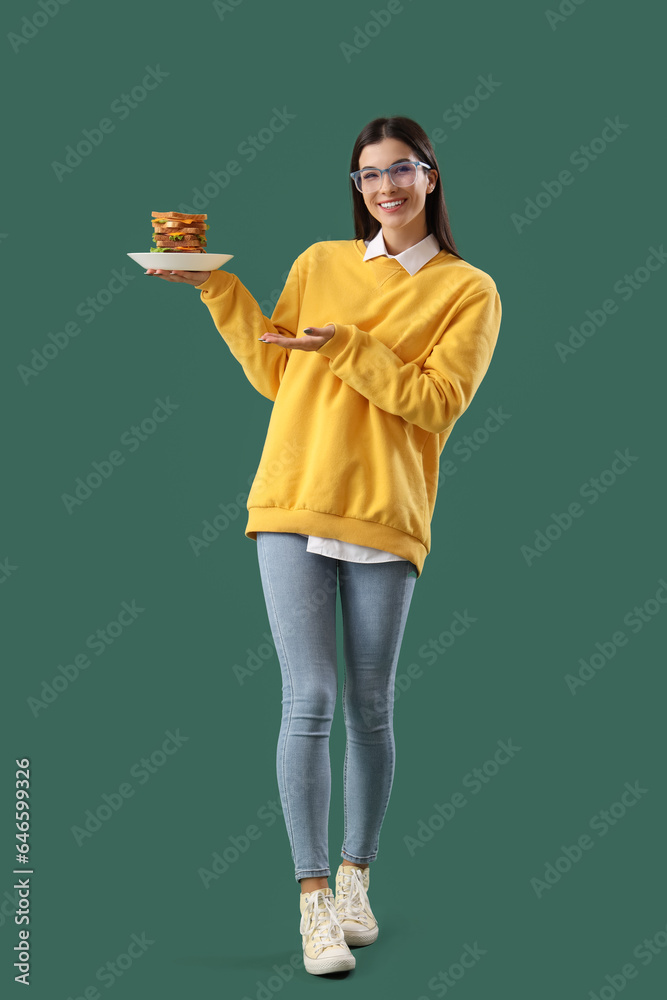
175, 232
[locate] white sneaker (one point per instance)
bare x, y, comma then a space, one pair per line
354, 911
324, 945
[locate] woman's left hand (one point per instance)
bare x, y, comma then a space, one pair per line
318, 336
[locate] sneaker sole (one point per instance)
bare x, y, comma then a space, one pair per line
319, 967
360, 938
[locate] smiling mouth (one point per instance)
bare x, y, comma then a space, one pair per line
394, 207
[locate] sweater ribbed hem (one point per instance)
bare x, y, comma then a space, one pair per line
347, 529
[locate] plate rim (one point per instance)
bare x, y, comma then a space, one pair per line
201, 259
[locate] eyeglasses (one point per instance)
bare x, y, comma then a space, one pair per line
402, 174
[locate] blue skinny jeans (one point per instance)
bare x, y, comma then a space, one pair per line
300, 590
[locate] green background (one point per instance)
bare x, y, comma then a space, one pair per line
173, 669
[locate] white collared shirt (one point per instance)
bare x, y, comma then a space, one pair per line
412, 260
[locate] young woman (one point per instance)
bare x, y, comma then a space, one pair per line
403, 331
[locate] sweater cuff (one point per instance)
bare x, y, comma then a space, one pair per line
216, 283
336, 345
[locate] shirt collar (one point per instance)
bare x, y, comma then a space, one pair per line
411, 259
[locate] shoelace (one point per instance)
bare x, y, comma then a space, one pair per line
321, 920
353, 898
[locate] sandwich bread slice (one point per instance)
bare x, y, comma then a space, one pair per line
176, 232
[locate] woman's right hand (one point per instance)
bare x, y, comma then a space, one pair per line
188, 277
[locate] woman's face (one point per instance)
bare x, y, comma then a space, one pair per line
411, 213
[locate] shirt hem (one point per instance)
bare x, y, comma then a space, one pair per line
347, 529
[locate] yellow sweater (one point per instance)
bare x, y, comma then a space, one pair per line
357, 428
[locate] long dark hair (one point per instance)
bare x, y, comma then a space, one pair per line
413, 135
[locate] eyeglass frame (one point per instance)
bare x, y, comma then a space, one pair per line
418, 163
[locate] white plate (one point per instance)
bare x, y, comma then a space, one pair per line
181, 261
